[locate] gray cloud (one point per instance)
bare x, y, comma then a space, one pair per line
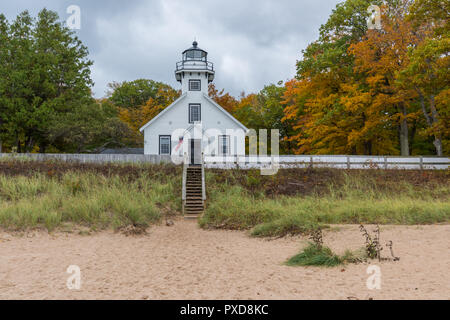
252, 43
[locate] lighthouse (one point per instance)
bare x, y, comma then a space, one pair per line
194, 124
194, 71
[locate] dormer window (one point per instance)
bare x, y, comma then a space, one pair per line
195, 85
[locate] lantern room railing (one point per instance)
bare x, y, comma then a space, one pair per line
194, 65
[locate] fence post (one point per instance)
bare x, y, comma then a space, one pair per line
385, 163
421, 162
312, 163
348, 162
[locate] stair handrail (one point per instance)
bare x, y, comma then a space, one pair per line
185, 166
203, 177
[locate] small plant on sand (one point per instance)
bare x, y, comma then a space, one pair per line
373, 247
315, 254
316, 237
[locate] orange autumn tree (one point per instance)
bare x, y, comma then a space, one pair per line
139, 116
378, 59
225, 100
313, 100
353, 92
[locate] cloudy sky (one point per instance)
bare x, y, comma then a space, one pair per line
251, 43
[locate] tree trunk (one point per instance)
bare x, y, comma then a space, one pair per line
431, 120
438, 145
42, 147
368, 148
412, 136
19, 146
404, 144
437, 136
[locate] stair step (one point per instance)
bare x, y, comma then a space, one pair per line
193, 216
194, 205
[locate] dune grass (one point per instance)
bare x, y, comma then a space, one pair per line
354, 202
314, 255
84, 199
51, 195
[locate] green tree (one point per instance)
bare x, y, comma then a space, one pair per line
46, 72
4, 70
133, 94
90, 128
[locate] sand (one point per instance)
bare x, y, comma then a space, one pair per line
186, 262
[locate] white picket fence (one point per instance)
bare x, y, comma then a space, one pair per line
253, 162
339, 162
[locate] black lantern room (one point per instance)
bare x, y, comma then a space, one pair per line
194, 59
195, 53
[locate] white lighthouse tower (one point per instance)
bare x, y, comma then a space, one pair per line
194, 72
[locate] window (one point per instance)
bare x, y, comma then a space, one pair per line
164, 145
195, 85
224, 145
194, 113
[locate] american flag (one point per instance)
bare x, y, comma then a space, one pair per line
180, 142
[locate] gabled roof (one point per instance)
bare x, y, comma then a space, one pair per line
226, 112
207, 98
162, 112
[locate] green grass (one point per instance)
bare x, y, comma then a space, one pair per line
314, 255
85, 199
113, 196
355, 202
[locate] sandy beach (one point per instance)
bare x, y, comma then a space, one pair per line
185, 262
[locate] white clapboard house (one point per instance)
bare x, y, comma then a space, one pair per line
194, 124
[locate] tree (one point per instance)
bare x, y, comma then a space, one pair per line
434, 14
314, 100
45, 72
90, 128
427, 75
225, 100
4, 70
133, 94
138, 116
379, 58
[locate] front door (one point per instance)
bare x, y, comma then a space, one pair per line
195, 151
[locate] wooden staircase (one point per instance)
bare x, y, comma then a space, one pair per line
193, 204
